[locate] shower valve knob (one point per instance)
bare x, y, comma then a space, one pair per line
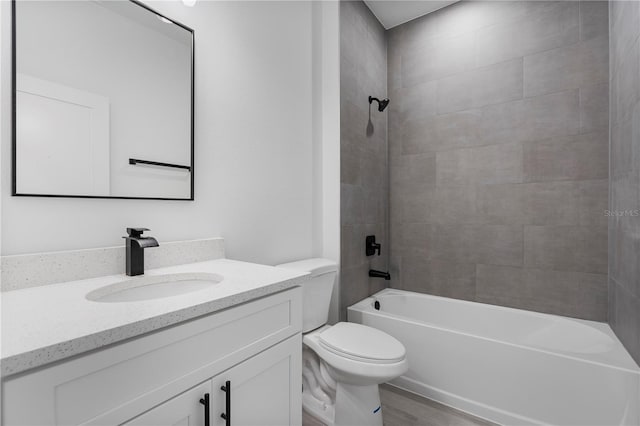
371, 247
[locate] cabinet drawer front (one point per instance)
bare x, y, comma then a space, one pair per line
115, 384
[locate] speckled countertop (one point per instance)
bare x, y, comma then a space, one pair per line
45, 324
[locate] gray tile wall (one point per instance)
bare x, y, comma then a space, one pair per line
498, 140
624, 227
364, 181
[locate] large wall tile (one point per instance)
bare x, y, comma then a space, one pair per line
457, 129
558, 292
504, 123
627, 91
592, 301
621, 149
364, 173
612, 305
594, 19
555, 292
570, 67
500, 285
414, 202
624, 29
499, 83
488, 244
501, 204
544, 26
551, 203
566, 248
455, 243
551, 292
374, 205
625, 266
498, 138
593, 202
627, 319
416, 102
454, 204
350, 161
350, 251
498, 43
354, 285
439, 57
418, 168
483, 86
531, 119
594, 107
624, 225
545, 203
488, 164
416, 240
446, 279
351, 204
572, 157
498, 245
418, 136
549, 25
624, 193
553, 115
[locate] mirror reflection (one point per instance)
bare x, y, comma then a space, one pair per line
103, 104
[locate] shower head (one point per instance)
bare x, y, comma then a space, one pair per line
382, 104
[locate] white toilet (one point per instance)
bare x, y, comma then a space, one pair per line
342, 364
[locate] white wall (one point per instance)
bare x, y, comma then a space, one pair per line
253, 145
326, 141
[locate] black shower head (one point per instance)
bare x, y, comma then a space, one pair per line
382, 104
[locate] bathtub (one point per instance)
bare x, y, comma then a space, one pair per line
509, 366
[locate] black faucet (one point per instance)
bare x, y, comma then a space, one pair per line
379, 274
135, 244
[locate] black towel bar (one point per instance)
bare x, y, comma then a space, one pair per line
135, 161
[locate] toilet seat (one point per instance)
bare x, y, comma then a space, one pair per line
362, 343
348, 363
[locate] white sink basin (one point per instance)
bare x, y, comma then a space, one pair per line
153, 287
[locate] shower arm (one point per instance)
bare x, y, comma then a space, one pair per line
382, 104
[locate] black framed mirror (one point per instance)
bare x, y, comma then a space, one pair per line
103, 101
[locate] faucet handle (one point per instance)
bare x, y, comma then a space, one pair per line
136, 232
371, 246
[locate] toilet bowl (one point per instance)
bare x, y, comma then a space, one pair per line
358, 358
343, 364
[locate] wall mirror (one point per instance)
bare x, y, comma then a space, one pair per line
103, 101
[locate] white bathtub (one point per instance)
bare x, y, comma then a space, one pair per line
510, 366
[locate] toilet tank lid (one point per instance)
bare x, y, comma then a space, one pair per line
315, 267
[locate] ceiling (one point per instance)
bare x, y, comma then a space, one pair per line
395, 12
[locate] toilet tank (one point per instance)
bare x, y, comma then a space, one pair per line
316, 292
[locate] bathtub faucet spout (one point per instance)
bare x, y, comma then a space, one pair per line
379, 274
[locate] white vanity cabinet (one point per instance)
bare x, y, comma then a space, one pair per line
185, 409
261, 388
159, 378
259, 391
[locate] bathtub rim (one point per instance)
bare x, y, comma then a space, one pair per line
365, 304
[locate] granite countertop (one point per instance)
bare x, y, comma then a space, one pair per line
41, 325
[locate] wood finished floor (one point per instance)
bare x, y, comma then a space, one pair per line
401, 408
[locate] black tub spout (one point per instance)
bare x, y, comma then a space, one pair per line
379, 274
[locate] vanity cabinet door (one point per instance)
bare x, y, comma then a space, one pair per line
265, 390
186, 409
